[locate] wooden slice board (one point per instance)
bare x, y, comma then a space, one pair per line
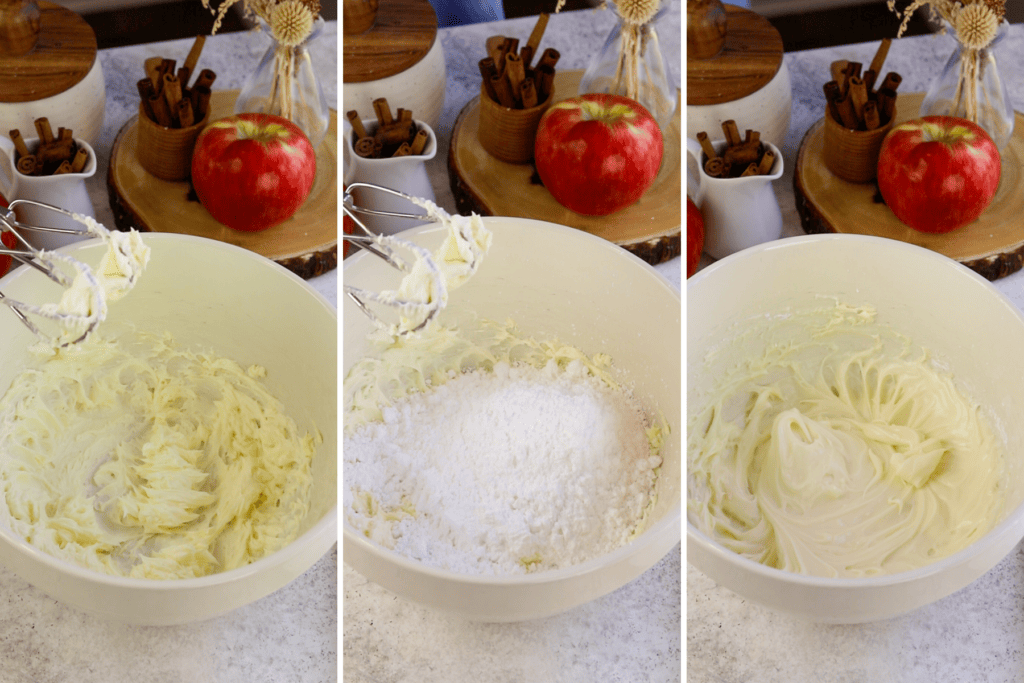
63, 54
650, 228
993, 245
402, 35
306, 243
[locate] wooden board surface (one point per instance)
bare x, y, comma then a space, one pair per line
650, 228
751, 57
306, 243
63, 55
993, 245
403, 34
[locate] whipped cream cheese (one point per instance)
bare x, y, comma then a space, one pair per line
137, 457
843, 453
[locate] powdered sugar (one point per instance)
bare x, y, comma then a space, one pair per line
514, 469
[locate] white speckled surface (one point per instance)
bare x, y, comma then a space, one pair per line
974, 635
630, 636
288, 636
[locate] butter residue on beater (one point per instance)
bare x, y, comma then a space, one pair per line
83, 305
423, 291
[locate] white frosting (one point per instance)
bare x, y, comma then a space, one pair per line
844, 452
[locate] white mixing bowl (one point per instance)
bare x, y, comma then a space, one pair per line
940, 305
557, 282
207, 294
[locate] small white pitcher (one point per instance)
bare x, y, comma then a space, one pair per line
406, 174
66, 190
738, 212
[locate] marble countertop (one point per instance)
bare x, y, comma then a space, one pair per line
628, 636
976, 634
290, 635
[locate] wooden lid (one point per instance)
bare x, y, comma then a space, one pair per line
64, 53
403, 34
751, 57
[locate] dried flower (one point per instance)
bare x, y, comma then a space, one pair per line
637, 11
975, 21
976, 26
290, 22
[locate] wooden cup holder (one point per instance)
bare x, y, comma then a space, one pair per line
853, 154
508, 134
167, 152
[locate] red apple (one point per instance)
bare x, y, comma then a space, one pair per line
252, 171
694, 237
597, 153
8, 240
938, 173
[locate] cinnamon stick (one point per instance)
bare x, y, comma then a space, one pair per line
528, 92
172, 92
533, 42
27, 164
767, 162
383, 111
19, 143
419, 143
186, 117
715, 167
365, 148
515, 73
201, 105
205, 79
872, 119
750, 170
880, 55
193, 57
549, 58
503, 91
858, 95
64, 167
545, 78
892, 81
357, 124
487, 72
403, 150
161, 111
44, 130
847, 113
81, 158
495, 46
152, 68
705, 144
732, 133
832, 97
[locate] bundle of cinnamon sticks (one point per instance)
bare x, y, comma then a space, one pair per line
510, 78
851, 96
167, 97
54, 155
395, 136
742, 156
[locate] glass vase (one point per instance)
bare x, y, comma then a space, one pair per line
285, 83
970, 87
630, 63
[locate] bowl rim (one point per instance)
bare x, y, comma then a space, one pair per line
650, 535
327, 524
1012, 523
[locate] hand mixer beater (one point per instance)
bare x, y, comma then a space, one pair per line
84, 302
